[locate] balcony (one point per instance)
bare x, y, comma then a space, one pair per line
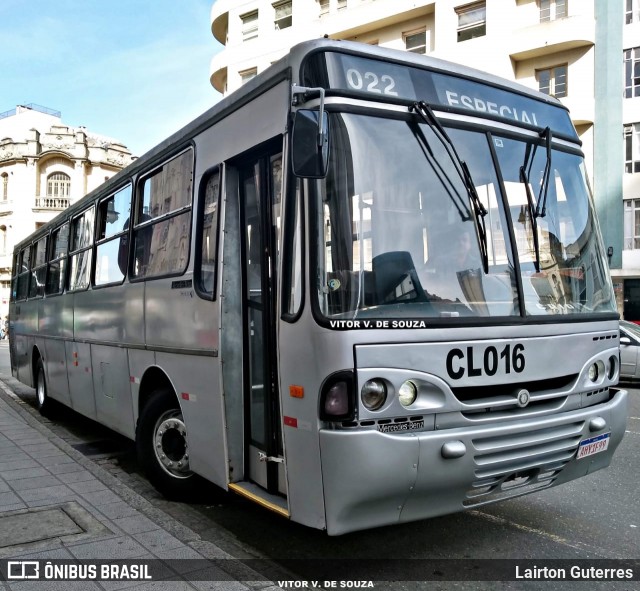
552, 37
52, 203
220, 19
218, 77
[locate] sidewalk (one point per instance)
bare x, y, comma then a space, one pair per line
57, 504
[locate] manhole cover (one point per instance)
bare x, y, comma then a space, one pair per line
40, 528
35, 526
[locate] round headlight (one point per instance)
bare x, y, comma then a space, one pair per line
593, 372
407, 393
373, 394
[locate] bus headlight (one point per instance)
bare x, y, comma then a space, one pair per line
594, 372
407, 393
373, 394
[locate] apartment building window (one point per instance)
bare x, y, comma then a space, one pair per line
342, 4
472, 21
283, 18
551, 10
416, 42
5, 186
632, 147
249, 25
632, 13
631, 224
324, 6
246, 75
553, 81
632, 72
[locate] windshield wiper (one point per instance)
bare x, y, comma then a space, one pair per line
524, 178
479, 210
541, 207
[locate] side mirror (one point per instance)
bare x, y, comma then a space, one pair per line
625, 341
310, 144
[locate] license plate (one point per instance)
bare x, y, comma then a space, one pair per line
593, 445
398, 427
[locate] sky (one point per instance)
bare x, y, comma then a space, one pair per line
133, 70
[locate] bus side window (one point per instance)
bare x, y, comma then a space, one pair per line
57, 260
39, 266
81, 242
208, 224
24, 270
112, 250
163, 219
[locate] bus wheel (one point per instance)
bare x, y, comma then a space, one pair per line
43, 401
162, 449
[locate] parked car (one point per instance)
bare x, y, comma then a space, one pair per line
629, 351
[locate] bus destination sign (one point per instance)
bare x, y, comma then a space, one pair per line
382, 78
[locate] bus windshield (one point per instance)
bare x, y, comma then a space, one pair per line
400, 235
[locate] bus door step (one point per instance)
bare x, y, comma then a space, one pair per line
254, 493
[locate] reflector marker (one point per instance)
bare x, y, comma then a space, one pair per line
296, 391
291, 422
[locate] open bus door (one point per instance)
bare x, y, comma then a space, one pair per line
260, 179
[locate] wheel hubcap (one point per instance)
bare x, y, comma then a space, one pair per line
170, 444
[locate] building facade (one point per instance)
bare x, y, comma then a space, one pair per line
45, 166
629, 275
584, 52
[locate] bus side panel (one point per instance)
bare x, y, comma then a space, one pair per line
80, 380
23, 358
56, 320
110, 369
245, 128
56, 370
139, 361
196, 381
300, 365
110, 314
25, 321
175, 317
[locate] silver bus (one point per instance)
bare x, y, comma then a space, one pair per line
366, 288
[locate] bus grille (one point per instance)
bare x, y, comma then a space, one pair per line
510, 465
472, 394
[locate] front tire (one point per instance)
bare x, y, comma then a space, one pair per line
43, 402
162, 448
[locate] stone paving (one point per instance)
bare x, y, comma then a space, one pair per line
64, 506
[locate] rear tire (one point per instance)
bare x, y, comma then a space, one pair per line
162, 448
43, 402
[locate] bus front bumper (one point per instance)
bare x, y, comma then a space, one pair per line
372, 478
